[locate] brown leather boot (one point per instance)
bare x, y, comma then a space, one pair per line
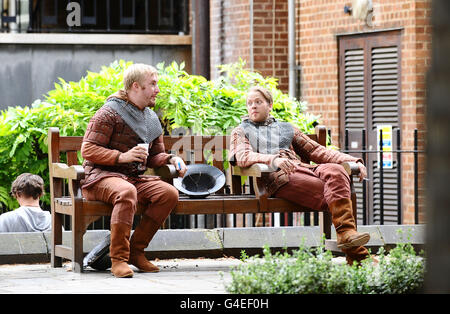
120, 250
140, 239
355, 254
344, 223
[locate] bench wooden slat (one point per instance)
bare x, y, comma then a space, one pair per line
241, 205
64, 251
196, 142
70, 143
185, 206
283, 206
65, 209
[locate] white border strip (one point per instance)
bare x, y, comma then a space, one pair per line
95, 39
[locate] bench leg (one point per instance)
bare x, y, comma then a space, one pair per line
325, 224
78, 230
77, 260
56, 239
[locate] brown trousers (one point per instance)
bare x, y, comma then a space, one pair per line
159, 196
318, 187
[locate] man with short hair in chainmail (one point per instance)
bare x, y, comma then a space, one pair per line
114, 167
260, 138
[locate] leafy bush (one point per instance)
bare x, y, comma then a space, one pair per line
23, 131
309, 270
190, 101
23, 140
213, 107
88, 94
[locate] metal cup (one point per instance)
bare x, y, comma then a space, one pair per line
142, 166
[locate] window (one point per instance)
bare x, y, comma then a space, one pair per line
112, 16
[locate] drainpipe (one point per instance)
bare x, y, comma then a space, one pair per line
222, 33
200, 39
291, 43
12, 12
251, 37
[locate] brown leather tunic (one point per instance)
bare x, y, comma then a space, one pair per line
106, 137
302, 148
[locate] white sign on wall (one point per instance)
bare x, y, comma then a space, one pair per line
388, 158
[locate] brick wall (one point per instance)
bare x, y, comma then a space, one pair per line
231, 24
318, 23
271, 40
230, 32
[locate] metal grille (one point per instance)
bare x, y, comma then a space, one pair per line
354, 89
385, 86
354, 104
384, 107
111, 16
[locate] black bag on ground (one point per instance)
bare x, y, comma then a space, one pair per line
99, 258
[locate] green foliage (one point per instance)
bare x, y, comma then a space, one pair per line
23, 139
312, 270
23, 130
88, 94
190, 101
215, 107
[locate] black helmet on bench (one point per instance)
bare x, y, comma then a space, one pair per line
200, 180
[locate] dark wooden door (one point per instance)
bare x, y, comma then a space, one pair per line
369, 97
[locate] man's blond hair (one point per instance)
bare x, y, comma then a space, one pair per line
136, 73
267, 95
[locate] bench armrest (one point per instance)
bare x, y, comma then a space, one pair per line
255, 170
76, 172
167, 171
61, 170
351, 168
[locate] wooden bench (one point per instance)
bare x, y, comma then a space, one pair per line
66, 197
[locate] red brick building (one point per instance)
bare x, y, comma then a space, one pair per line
354, 75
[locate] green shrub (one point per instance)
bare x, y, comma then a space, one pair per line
190, 101
23, 130
213, 107
88, 94
312, 271
23, 140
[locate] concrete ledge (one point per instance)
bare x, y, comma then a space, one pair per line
23, 247
252, 240
33, 247
278, 237
386, 236
186, 243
